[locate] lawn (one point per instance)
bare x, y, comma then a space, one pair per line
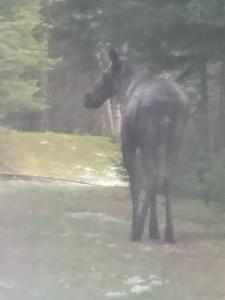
71, 157
70, 241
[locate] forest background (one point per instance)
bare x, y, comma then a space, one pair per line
51, 50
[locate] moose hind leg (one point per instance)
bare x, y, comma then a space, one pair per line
130, 162
153, 224
150, 163
172, 151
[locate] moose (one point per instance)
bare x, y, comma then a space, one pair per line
154, 116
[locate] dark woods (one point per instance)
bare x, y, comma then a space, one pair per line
42, 89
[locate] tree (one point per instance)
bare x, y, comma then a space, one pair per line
23, 57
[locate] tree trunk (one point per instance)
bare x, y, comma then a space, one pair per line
204, 108
110, 117
204, 133
117, 118
221, 118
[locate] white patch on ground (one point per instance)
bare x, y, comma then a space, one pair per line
111, 245
63, 283
110, 176
139, 289
128, 256
100, 154
102, 217
5, 285
172, 249
88, 175
134, 280
146, 248
90, 235
111, 172
118, 294
74, 148
139, 285
45, 143
156, 281
110, 182
89, 170
78, 167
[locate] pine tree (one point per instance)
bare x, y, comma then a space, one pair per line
23, 56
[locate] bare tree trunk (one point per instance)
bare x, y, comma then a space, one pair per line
204, 107
118, 117
111, 119
110, 116
204, 132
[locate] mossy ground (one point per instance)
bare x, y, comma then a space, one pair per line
63, 156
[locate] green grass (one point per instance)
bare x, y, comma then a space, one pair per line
59, 155
72, 242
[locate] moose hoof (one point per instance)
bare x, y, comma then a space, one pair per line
135, 239
136, 235
169, 235
154, 231
169, 240
154, 235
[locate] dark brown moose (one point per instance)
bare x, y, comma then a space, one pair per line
154, 115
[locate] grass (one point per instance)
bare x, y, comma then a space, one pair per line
63, 156
72, 242
63, 241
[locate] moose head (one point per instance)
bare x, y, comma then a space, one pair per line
107, 85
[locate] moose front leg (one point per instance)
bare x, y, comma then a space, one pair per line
135, 191
150, 200
171, 155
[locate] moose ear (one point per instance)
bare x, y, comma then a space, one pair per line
114, 58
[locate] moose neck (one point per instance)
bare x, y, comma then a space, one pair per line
128, 84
